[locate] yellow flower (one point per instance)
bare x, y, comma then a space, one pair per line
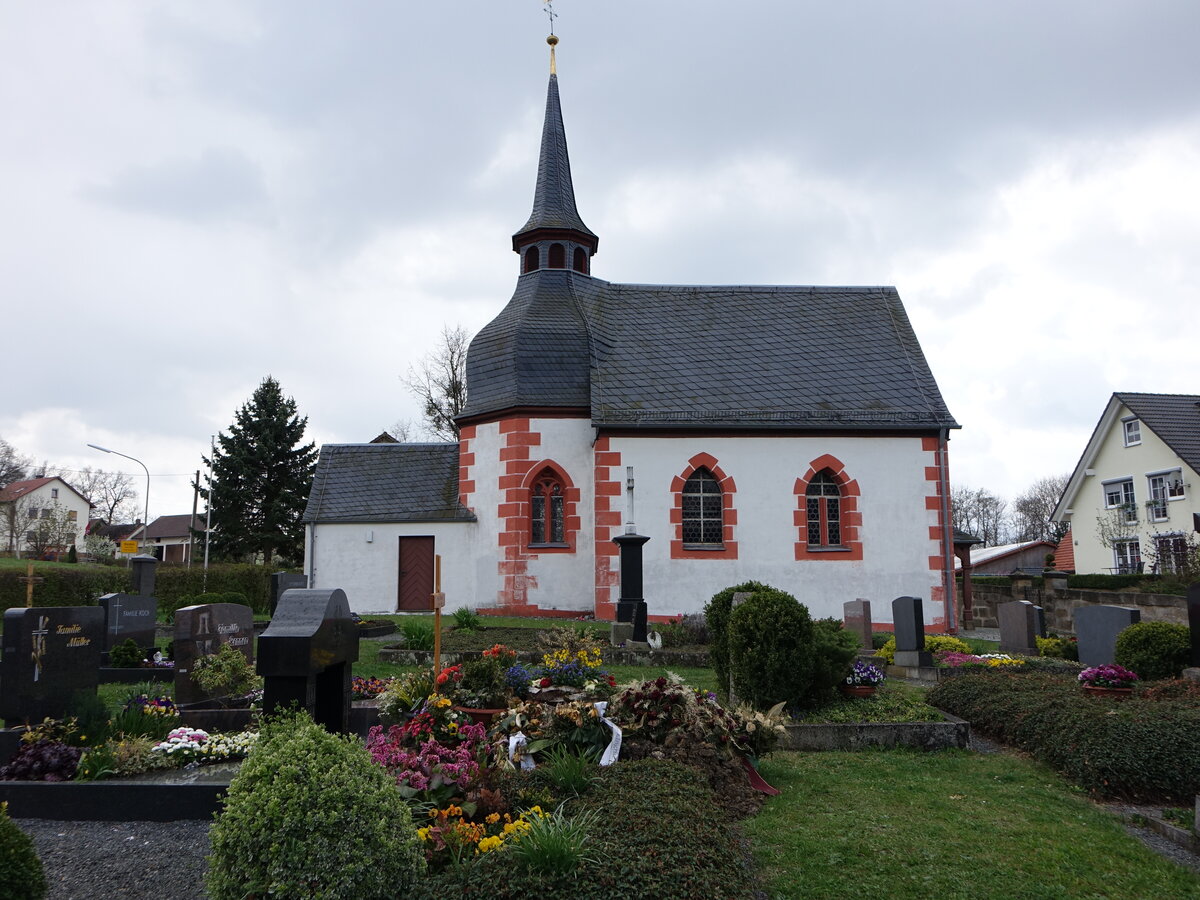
492, 818
423, 833
488, 844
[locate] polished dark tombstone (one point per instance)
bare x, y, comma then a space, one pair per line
51, 653
128, 617
857, 616
631, 606
1018, 627
306, 653
201, 631
1097, 627
908, 620
285, 581
1193, 607
143, 568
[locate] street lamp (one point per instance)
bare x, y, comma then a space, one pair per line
146, 525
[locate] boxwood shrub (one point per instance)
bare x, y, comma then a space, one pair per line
716, 616
310, 815
1137, 749
21, 874
772, 650
1154, 649
658, 833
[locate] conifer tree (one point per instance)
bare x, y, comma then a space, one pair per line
261, 475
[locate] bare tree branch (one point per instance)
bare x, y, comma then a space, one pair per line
440, 383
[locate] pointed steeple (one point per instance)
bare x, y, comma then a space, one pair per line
554, 216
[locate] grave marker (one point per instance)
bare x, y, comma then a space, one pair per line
908, 618
143, 575
128, 617
1193, 607
201, 631
285, 581
305, 656
857, 616
1097, 628
50, 654
1018, 627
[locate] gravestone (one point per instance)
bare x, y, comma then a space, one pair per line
631, 606
737, 600
857, 616
1097, 627
1193, 607
128, 617
306, 653
1018, 627
285, 581
201, 631
143, 568
50, 654
908, 619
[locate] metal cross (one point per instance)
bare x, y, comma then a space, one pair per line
550, 13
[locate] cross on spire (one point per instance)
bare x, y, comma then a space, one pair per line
550, 13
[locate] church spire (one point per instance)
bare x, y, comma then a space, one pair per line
554, 222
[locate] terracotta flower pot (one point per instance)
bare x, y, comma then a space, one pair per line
858, 690
1117, 693
482, 717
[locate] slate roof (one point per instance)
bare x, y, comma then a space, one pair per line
554, 193
386, 483
1175, 418
668, 356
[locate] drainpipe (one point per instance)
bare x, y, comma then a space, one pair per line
947, 531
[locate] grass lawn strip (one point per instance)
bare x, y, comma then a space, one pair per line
951, 824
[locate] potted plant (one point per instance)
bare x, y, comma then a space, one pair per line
482, 692
1108, 681
862, 681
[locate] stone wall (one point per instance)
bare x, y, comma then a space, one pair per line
1060, 605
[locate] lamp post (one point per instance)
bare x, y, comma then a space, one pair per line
146, 523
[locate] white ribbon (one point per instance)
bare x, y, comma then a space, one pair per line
518, 742
613, 750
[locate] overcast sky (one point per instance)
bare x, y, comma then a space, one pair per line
196, 195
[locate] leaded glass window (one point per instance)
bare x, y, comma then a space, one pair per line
823, 507
703, 505
547, 511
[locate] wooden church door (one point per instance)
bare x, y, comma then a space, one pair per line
416, 574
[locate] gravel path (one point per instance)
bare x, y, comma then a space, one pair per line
121, 860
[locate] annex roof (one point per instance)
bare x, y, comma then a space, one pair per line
992, 554
386, 483
174, 526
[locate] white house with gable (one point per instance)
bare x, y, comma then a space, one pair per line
44, 514
792, 435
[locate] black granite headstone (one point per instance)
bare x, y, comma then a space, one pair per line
1097, 628
1193, 605
908, 620
128, 617
201, 631
50, 654
631, 607
306, 653
1018, 627
285, 581
143, 575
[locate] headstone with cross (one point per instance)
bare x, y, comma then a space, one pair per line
128, 617
51, 653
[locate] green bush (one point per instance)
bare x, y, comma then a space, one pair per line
658, 832
880, 638
1057, 647
933, 643
63, 586
1154, 649
310, 815
418, 634
126, 655
1104, 582
834, 650
226, 673
771, 643
21, 875
1139, 749
716, 616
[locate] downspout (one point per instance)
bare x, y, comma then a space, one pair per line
312, 554
947, 531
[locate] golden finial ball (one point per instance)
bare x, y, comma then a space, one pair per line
552, 40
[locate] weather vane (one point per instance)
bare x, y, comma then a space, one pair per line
550, 13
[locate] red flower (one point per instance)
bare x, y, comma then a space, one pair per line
545, 682
441, 679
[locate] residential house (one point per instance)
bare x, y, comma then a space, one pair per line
170, 539
789, 434
42, 517
1131, 501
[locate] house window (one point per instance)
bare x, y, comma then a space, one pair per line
1128, 557
823, 510
53, 493
703, 510
72, 515
33, 512
1133, 432
547, 511
1172, 553
46, 513
1119, 494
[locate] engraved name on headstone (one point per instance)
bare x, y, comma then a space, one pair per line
50, 654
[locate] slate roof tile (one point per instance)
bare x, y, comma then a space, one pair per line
1175, 418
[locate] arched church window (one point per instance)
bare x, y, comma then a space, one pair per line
823, 504
531, 260
558, 256
547, 510
580, 260
703, 505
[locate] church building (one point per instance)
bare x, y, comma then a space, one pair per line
792, 435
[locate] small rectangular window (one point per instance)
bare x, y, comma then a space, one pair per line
53, 493
72, 515
33, 512
1133, 432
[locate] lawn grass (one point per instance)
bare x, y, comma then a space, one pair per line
906, 824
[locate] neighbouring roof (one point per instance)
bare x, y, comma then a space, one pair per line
116, 532
386, 483
15, 490
664, 356
1175, 418
1064, 555
174, 526
992, 554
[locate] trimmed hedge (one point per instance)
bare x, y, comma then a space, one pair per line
1138, 749
1154, 649
659, 833
716, 616
84, 585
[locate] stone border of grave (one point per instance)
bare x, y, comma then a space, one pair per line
110, 675
111, 801
398, 655
376, 631
952, 733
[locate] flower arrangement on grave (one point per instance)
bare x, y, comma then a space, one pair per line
185, 746
436, 719
670, 713
864, 674
368, 688
573, 724
226, 673
483, 684
162, 707
954, 660
435, 771
405, 696
1108, 676
450, 839
582, 670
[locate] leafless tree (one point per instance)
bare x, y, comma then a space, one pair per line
1031, 510
403, 431
52, 531
980, 513
111, 493
16, 521
14, 466
440, 383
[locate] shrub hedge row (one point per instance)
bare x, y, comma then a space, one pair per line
82, 586
659, 833
1138, 749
